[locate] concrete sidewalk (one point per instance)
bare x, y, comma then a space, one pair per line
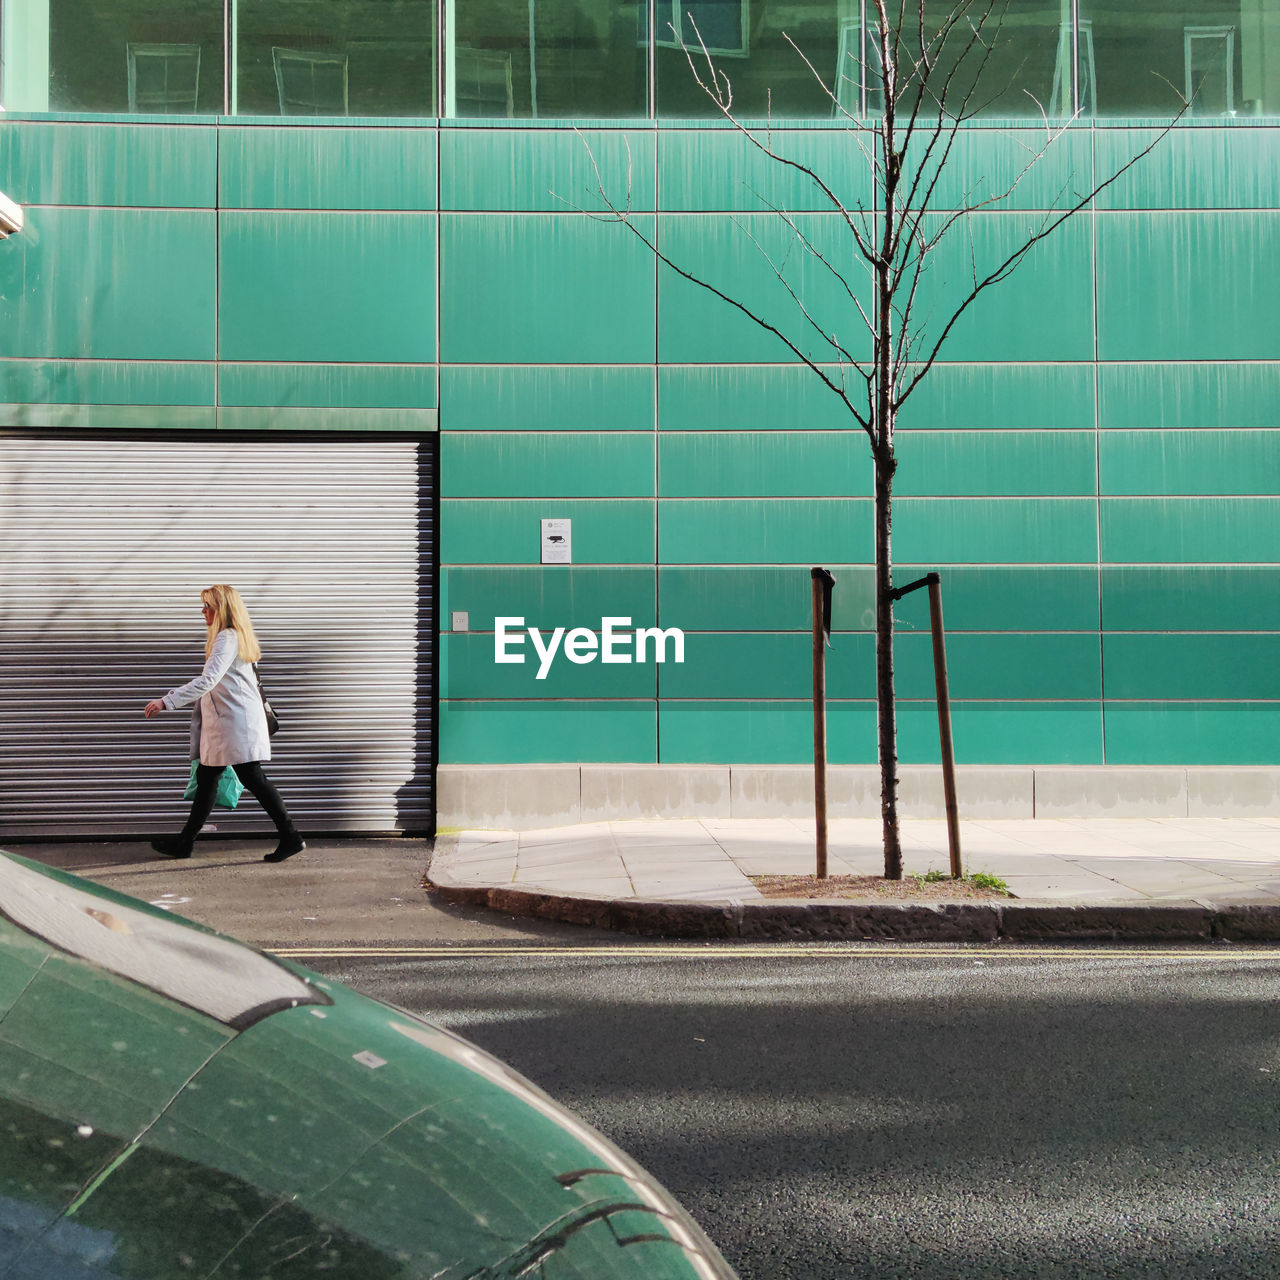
1125, 879
1084, 879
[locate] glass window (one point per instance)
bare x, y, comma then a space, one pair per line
158, 56
1224, 55
334, 57
547, 58
1015, 64
721, 26
567, 59
748, 40
1009, 72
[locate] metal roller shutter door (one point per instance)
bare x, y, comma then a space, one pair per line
105, 544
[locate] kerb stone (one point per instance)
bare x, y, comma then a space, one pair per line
1149, 922
871, 921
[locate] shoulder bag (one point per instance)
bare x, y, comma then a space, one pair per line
273, 720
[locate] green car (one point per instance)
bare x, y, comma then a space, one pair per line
174, 1103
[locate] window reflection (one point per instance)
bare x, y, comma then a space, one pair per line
1009, 71
1128, 57
765, 72
335, 57
567, 59
547, 58
161, 56
1224, 55
1017, 64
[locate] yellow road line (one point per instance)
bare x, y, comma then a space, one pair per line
788, 951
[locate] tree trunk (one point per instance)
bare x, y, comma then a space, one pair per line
886, 707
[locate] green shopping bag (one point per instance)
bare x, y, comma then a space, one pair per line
230, 788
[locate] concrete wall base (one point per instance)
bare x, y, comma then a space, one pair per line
525, 796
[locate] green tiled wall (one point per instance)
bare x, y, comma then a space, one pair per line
110, 165
110, 284
720, 169
993, 530
333, 168
327, 287
982, 397
1190, 169
1187, 463
1022, 666
747, 664
1006, 732
555, 596
1093, 463
1218, 733
997, 463
760, 598
496, 531
1243, 394
106, 382
760, 531
546, 464
744, 731
526, 732
751, 398
1191, 598
763, 463
997, 161
998, 598
468, 672
548, 398
544, 288
335, 386
1190, 530
546, 171
1187, 285
1192, 667
1012, 319
737, 255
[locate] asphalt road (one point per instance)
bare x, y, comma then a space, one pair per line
837, 1112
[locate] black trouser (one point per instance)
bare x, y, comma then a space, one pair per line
256, 783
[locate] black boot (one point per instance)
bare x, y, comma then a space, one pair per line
288, 846
264, 792
181, 845
173, 846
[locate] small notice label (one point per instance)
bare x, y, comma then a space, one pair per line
557, 542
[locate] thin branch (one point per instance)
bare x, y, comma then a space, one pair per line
651, 244
1007, 266
807, 360
814, 252
828, 338
948, 131
624, 216
723, 99
906, 243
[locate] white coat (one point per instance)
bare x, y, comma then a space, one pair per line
228, 724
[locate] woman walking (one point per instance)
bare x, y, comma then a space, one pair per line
228, 724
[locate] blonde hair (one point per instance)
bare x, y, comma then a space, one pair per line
229, 611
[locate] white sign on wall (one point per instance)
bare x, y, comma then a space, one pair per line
557, 542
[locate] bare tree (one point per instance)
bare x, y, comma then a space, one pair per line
925, 76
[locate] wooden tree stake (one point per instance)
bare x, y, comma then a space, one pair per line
822, 584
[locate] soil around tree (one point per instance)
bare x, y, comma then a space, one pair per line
908, 889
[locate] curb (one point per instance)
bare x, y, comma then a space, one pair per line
783, 919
